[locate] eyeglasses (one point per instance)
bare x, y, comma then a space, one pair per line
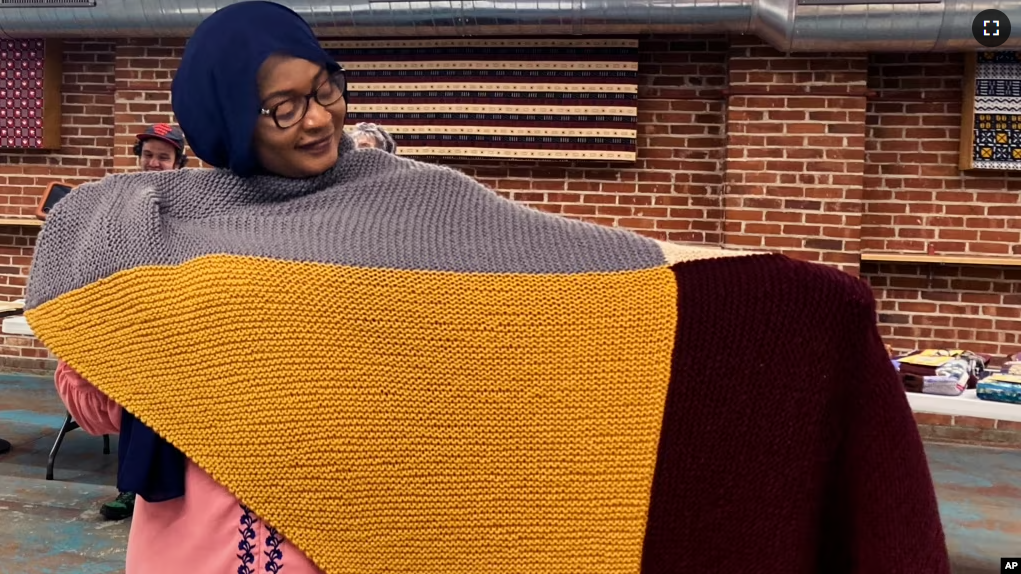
289, 112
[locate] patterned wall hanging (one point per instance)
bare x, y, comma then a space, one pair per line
991, 111
554, 99
30, 77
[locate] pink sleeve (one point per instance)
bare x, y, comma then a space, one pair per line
94, 411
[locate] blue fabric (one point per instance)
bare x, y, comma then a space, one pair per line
147, 464
214, 93
216, 101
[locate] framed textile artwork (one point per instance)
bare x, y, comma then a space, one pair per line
30, 77
550, 99
991, 111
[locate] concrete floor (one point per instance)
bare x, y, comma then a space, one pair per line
53, 527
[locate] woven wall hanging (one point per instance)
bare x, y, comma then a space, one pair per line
30, 77
552, 99
991, 111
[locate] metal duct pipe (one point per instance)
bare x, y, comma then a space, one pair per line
789, 25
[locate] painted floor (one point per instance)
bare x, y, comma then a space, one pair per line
53, 527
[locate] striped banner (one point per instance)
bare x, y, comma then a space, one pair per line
564, 99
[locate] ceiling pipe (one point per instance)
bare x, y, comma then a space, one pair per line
788, 25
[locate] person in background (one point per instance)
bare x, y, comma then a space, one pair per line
368, 135
159, 148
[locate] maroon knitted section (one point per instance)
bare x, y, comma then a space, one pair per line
788, 445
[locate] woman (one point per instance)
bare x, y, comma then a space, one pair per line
394, 369
206, 529
369, 135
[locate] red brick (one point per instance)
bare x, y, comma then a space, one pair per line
933, 419
974, 422
803, 183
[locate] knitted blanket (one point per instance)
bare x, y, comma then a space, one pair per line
403, 372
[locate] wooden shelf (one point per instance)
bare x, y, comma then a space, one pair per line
990, 261
21, 221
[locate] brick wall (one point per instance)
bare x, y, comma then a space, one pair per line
916, 196
144, 70
87, 137
673, 191
971, 430
795, 152
819, 156
917, 199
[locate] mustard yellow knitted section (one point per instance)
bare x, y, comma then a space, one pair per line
398, 421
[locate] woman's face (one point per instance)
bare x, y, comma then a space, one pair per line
365, 141
309, 147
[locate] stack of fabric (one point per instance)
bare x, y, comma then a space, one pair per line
940, 371
1005, 386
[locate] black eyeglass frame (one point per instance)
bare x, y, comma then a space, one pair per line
336, 76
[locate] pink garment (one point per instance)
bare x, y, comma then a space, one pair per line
207, 531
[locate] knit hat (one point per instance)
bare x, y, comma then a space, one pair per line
214, 94
384, 140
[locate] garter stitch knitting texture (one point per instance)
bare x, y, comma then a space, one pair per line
419, 344
403, 372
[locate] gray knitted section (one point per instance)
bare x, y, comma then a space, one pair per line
372, 209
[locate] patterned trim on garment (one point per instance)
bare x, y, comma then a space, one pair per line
275, 554
245, 546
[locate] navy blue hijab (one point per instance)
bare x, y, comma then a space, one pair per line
214, 93
216, 101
